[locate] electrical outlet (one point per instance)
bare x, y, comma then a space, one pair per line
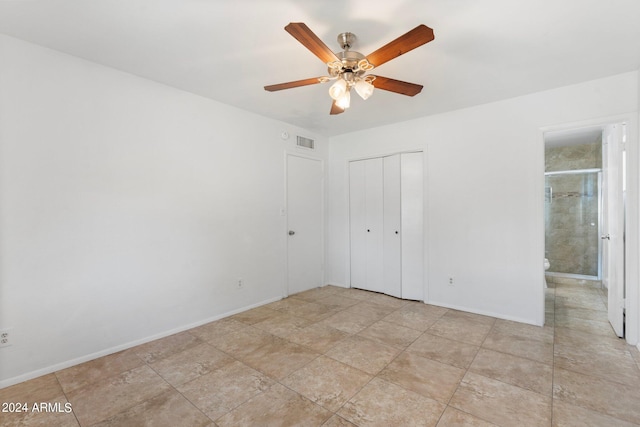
450, 281
6, 338
240, 283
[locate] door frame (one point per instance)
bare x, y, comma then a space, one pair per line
285, 212
631, 210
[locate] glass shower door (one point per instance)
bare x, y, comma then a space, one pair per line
572, 222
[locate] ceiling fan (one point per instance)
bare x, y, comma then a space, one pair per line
348, 68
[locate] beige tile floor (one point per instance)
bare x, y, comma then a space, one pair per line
343, 357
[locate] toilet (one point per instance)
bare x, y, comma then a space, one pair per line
546, 267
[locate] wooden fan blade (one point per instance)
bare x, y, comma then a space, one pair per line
304, 35
403, 44
290, 85
335, 109
397, 86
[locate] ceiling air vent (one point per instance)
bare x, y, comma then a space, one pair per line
305, 142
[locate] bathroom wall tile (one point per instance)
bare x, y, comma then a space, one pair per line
571, 232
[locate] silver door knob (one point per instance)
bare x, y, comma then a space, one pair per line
605, 237
291, 232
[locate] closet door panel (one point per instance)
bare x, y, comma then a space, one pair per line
358, 224
392, 231
374, 223
412, 182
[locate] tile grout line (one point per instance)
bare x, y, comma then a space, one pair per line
175, 388
465, 374
66, 397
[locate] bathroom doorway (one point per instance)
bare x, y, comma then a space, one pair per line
584, 215
573, 201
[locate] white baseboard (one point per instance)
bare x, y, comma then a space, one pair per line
484, 313
82, 359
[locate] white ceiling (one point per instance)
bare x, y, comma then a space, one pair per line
228, 50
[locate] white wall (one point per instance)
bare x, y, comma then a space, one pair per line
636, 308
484, 171
128, 209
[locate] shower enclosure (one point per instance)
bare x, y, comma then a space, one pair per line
572, 222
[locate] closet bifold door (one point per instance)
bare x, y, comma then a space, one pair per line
386, 231
412, 219
392, 240
366, 223
358, 224
374, 176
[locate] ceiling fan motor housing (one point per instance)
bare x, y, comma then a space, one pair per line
350, 61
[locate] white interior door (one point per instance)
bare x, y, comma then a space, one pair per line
613, 225
392, 231
358, 224
412, 226
305, 253
374, 223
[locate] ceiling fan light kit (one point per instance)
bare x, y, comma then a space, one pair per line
348, 68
